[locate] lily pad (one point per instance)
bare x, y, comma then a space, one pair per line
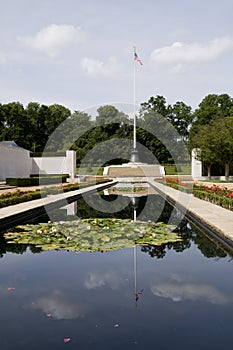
93, 234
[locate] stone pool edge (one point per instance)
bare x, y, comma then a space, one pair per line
213, 219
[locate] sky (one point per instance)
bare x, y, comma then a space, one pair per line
80, 53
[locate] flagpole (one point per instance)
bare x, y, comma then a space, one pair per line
134, 102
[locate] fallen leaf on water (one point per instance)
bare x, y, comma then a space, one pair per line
67, 340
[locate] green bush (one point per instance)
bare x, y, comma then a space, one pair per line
36, 181
19, 197
222, 201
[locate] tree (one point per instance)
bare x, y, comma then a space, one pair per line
215, 143
32, 116
156, 104
58, 114
77, 129
169, 123
16, 124
204, 143
213, 106
181, 117
224, 140
43, 120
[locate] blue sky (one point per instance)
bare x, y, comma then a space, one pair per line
80, 53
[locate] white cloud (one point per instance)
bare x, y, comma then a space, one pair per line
95, 68
178, 291
60, 306
180, 54
54, 38
102, 278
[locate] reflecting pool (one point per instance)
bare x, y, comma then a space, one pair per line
179, 295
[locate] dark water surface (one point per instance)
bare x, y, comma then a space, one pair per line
186, 300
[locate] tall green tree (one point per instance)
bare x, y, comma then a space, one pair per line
16, 124
156, 104
170, 123
180, 116
77, 129
213, 106
57, 115
215, 143
224, 132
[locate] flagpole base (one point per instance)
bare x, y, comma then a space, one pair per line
134, 158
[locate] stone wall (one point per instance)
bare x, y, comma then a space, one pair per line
16, 162
55, 165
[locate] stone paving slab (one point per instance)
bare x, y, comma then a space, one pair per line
212, 216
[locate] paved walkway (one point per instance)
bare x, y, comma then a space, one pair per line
207, 215
14, 214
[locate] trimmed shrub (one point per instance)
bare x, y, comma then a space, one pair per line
20, 197
36, 181
222, 201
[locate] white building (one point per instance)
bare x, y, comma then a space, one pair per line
15, 161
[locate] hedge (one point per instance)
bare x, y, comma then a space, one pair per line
178, 187
19, 198
35, 181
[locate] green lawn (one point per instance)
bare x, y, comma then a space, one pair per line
174, 169
171, 169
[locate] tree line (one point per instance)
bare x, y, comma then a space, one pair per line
162, 129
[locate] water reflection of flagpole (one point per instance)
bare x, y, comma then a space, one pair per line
135, 268
135, 201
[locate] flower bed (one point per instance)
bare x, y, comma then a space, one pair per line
181, 185
215, 194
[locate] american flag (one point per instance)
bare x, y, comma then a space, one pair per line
136, 58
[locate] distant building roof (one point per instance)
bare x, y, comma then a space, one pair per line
11, 144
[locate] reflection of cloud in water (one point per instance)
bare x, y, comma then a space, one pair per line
102, 278
60, 306
178, 291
